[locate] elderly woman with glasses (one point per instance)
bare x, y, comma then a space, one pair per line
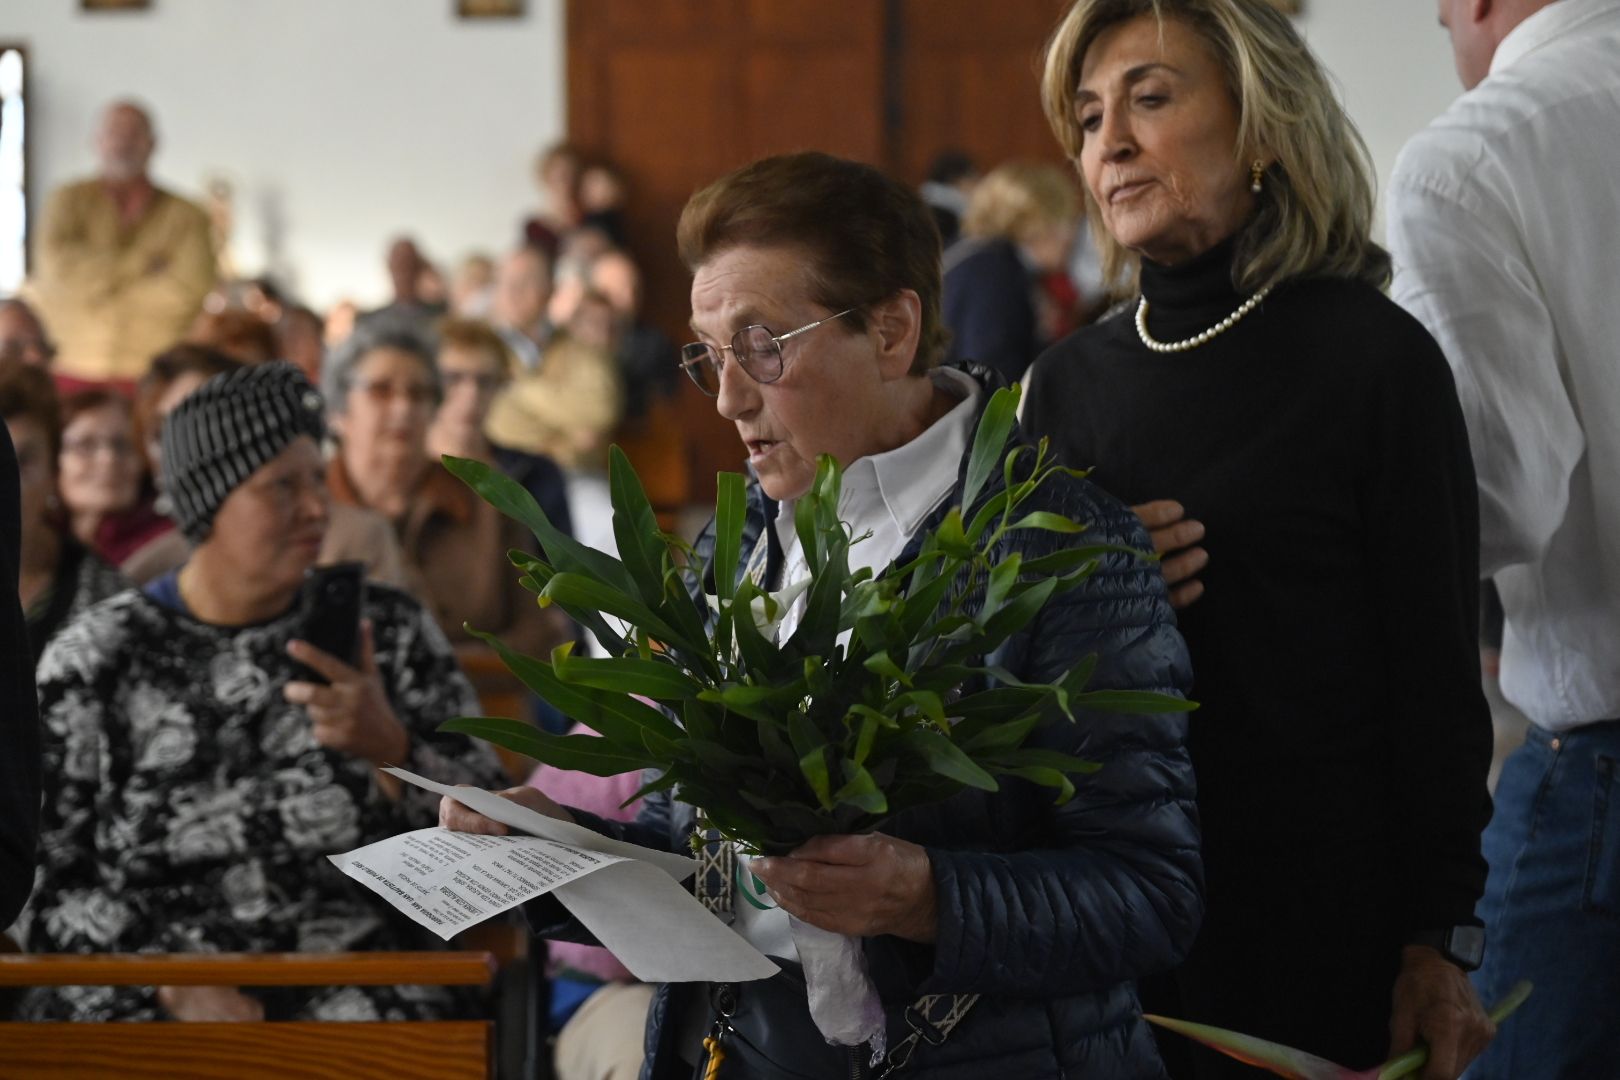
1015, 928
1262, 384
107, 493
384, 389
201, 758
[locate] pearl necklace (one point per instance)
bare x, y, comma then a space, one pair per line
1197, 339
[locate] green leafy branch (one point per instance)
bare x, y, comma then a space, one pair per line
883, 698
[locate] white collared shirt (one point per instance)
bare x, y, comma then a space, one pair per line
1504, 223
889, 495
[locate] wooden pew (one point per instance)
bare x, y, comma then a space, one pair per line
393, 1050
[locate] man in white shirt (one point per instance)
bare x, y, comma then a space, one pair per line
1504, 219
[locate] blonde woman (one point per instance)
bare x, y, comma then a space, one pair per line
1018, 229
1261, 384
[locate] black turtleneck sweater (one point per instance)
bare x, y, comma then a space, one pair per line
1343, 740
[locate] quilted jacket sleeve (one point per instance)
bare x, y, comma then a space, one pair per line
1111, 889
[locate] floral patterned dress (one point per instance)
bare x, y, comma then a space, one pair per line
188, 807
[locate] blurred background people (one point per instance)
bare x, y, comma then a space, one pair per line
196, 770
417, 301
474, 368
951, 179
238, 333
59, 577
383, 388
472, 287
521, 304
556, 173
124, 265
1018, 229
299, 338
106, 492
602, 195
22, 336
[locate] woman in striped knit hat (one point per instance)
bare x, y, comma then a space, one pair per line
201, 759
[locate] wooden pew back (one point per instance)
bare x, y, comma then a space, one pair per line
394, 1050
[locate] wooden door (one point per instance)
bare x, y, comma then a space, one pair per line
968, 78
678, 92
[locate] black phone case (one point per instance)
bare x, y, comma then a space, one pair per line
334, 595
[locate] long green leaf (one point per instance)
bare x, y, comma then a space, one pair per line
579, 753
1014, 615
537, 574
814, 767
635, 529
1045, 777
658, 679
618, 718
513, 499
1045, 519
730, 511
990, 440
1131, 701
1072, 558
861, 791
576, 590
947, 759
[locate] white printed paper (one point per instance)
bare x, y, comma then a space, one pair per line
627, 896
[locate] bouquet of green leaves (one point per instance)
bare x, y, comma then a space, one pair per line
879, 701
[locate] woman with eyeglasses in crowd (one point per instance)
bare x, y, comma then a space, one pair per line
475, 365
384, 389
106, 490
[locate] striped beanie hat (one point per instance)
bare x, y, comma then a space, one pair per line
222, 432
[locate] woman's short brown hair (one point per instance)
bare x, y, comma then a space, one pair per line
868, 235
1315, 208
26, 392
478, 334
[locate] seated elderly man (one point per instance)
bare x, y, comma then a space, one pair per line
815, 300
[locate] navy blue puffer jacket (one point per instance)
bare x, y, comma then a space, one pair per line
1049, 912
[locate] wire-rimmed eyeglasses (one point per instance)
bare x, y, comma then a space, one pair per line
758, 352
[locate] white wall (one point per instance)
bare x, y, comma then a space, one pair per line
340, 122
1392, 62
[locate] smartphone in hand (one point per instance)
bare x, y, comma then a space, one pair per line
333, 598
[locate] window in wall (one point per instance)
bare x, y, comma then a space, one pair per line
13, 169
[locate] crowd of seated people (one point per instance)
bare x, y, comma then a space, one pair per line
163, 582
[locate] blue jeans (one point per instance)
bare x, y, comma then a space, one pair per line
1552, 908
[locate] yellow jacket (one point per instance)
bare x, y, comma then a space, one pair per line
114, 298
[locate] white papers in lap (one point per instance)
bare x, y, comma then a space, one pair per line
627, 896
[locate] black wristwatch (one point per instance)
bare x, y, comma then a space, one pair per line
1462, 945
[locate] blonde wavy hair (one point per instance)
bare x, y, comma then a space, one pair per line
1315, 209
1020, 199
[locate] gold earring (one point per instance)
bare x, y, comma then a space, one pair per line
1255, 172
